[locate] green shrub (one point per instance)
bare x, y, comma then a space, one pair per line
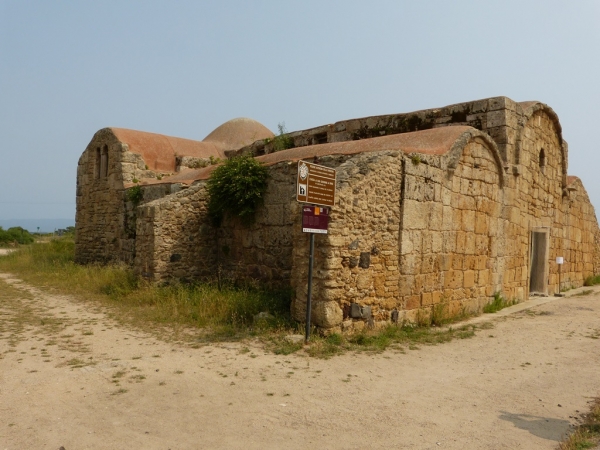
236, 189
16, 235
135, 195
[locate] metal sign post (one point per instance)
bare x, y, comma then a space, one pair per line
309, 296
316, 185
559, 260
315, 219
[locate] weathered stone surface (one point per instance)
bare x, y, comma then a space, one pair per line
412, 227
327, 314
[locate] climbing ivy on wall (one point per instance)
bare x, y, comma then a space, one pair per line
236, 188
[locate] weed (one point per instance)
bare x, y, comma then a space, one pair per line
282, 141
586, 435
592, 280
584, 292
416, 159
135, 194
497, 304
120, 391
375, 341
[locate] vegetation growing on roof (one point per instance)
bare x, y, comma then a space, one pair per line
236, 189
282, 141
394, 125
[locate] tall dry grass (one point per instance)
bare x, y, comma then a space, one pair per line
226, 312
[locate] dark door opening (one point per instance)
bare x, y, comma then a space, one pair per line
539, 262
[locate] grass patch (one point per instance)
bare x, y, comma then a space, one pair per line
592, 280
202, 312
497, 304
376, 341
586, 435
222, 314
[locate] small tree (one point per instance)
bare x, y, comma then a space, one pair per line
236, 188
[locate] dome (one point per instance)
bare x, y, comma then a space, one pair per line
238, 133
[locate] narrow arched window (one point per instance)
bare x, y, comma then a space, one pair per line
97, 164
104, 162
542, 160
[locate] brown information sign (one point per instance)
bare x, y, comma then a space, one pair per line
316, 184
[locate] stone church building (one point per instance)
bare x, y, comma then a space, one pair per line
445, 206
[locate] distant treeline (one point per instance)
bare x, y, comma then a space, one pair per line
15, 235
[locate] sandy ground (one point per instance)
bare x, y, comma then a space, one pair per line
72, 377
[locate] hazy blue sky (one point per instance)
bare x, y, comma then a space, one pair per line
69, 68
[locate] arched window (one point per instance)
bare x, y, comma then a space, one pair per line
542, 160
97, 164
104, 162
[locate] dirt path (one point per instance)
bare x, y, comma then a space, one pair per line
71, 377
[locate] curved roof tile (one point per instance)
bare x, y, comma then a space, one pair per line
159, 151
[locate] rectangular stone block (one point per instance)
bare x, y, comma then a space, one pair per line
469, 278
453, 279
426, 299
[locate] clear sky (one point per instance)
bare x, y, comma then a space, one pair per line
70, 68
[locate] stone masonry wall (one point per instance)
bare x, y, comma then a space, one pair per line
105, 218
539, 198
451, 233
579, 238
175, 239
406, 234
100, 212
357, 262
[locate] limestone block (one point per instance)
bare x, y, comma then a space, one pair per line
468, 221
364, 281
469, 244
416, 215
327, 314
469, 278
426, 299
453, 279
412, 301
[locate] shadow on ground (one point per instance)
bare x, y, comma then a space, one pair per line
544, 427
